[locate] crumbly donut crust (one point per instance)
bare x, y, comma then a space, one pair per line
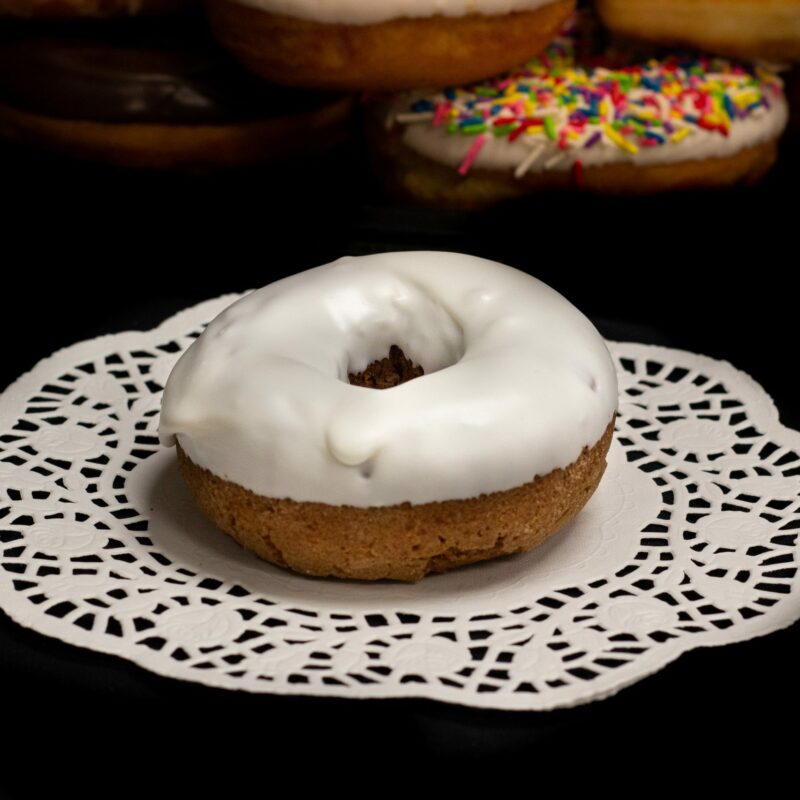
397, 54
400, 542
408, 174
162, 146
751, 29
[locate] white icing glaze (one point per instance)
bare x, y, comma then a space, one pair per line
517, 382
368, 12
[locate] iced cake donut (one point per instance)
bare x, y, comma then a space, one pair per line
677, 123
160, 97
384, 44
750, 29
393, 415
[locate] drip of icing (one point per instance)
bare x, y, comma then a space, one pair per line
368, 12
516, 383
553, 113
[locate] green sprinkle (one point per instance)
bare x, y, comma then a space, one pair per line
478, 127
550, 128
486, 91
503, 130
452, 127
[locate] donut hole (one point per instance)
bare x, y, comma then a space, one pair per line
384, 373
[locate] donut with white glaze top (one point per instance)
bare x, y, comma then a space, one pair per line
576, 119
495, 446
384, 44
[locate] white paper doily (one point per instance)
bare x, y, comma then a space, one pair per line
690, 541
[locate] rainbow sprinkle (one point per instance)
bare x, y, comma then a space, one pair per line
553, 100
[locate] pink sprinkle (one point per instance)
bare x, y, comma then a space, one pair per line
442, 110
519, 108
472, 154
503, 85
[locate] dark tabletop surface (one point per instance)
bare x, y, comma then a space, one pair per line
91, 250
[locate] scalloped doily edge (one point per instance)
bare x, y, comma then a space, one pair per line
786, 615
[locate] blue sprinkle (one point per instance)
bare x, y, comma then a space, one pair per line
654, 135
729, 107
651, 83
471, 121
422, 105
450, 94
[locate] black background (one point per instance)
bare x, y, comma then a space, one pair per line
91, 250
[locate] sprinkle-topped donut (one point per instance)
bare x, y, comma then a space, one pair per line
555, 115
269, 412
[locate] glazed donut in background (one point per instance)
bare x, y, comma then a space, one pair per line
682, 122
384, 44
89, 9
161, 98
492, 436
748, 29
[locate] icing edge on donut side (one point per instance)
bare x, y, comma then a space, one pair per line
357, 12
517, 382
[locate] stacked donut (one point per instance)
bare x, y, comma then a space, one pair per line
585, 115
143, 84
532, 110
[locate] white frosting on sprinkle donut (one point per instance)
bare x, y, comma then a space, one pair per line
368, 12
554, 113
517, 382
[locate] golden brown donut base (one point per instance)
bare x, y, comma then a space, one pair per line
398, 54
406, 173
75, 9
182, 147
401, 542
750, 29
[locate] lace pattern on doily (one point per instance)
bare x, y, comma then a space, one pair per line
690, 541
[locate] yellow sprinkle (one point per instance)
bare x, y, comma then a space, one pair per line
530, 109
532, 130
605, 107
573, 135
619, 140
746, 98
678, 135
453, 112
